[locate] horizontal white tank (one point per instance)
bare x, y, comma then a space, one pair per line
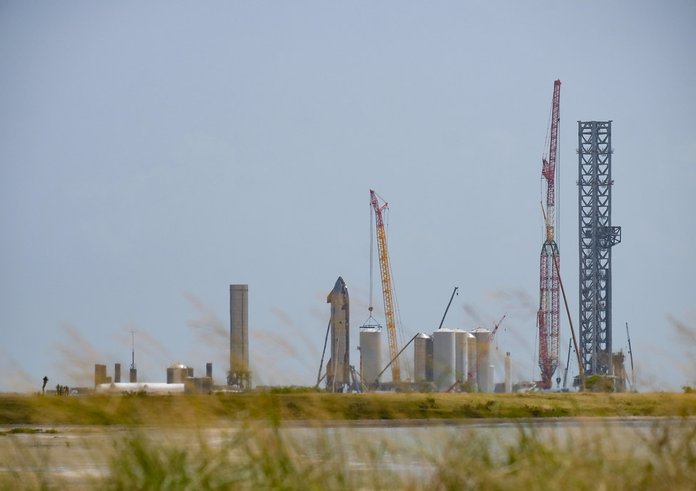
423, 358
148, 387
444, 358
370, 354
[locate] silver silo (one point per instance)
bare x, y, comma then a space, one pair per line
462, 342
444, 358
508, 373
370, 355
239, 375
471, 362
483, 363
423, 358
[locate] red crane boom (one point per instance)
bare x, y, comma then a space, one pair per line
548, 316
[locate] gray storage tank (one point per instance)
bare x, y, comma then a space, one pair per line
471, 372
444, 358
462, 342
370, 355
423, 358
483, 363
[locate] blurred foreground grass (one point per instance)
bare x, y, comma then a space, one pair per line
252, 441
202, 410
268, 455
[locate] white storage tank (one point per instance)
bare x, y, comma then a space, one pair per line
370, 355
444, 358
508, 373
423, 358
462, 341
483, 362
471, 362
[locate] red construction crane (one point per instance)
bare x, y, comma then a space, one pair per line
548, 317
387, 290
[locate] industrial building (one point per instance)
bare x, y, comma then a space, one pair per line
180, 379
457, 359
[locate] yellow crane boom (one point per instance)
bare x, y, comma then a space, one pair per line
387, 290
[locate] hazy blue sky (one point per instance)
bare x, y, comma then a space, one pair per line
152, 153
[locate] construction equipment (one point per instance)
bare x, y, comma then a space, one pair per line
320, 377
395, 359
387, 290
581, 369
454, 292
565, 372
495, 329
630, 353
548, 316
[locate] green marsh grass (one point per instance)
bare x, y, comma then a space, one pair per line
217, 409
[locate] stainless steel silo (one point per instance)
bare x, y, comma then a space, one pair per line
444, 358
471, 372
461, 344
423, 358
370, 355
483, 363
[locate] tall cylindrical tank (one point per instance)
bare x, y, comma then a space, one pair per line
444, 358
508, 373
462, 341
99, 374
209, 370
239, 337
471, 372
370, 354
423, 358
483, 347
117, 373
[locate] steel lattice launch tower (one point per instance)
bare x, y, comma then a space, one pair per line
596, 236
338, 368
239, 374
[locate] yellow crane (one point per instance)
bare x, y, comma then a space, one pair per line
387, 290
